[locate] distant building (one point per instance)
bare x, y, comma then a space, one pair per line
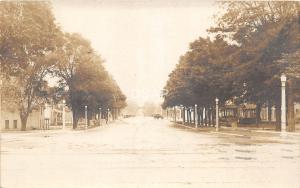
10, 117
248, 111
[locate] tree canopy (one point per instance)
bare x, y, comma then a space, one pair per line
82, 73
28, 34
203, 73
32, 46
255, 42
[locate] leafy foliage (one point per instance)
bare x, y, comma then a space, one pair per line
32, 47
203, 74
28, 34
262, 43
81, 71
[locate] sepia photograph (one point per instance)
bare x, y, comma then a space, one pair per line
149, 94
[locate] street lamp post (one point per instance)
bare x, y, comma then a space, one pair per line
217, 114
63, 115
195, 116
283, 103
86, 120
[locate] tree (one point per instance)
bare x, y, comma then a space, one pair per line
73, 65
264, 31
243, 69
204, 73
82, 72
28, 33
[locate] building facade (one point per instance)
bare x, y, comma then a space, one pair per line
10, 117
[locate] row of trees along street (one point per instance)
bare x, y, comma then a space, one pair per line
34, 48
253, 44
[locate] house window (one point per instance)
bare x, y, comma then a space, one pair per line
15, 124
6, 124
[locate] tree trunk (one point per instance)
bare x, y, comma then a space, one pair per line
198, 116
89, 121
205, 118
186, 115
75, 118
190, 116
213, 116
201, 116
209, 116
257, 113
114, 114
290, 108
269, 112
174, 109
73, 106
183, 118
23, 117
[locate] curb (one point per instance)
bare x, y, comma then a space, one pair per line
194, 128
276, 132
280, 138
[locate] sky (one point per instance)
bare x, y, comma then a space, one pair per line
140, 40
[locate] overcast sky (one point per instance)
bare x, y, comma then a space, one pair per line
140, 40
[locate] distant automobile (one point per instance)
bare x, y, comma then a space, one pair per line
157, 116
128, 116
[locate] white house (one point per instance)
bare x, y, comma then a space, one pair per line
10, 117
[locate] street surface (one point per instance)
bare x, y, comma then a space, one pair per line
143, 152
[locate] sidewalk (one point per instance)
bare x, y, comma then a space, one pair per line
260, 130
59, 129
241, 132
254, 128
